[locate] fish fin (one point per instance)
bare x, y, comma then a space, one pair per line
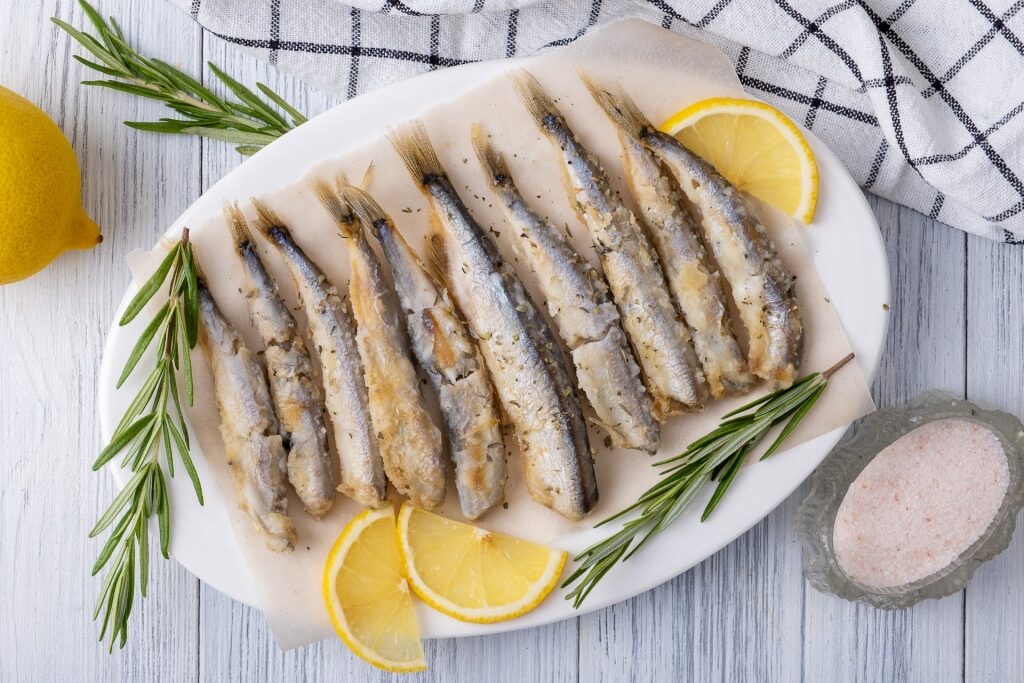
437, 258
336, 205
533, 95
413, 144
200, 273
237, 225
619, 107
364, 184
492, 161
266, 218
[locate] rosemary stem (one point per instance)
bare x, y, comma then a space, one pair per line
838, 366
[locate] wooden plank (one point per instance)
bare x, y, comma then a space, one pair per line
994, 610
238, 646
925, 349
735, 617
52, 328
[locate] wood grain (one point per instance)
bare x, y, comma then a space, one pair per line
995, 341
52, 329
743, 615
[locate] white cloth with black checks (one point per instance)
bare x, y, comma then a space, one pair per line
921, 99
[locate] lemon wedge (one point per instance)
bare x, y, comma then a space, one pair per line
756, 147
368, 597
473, 574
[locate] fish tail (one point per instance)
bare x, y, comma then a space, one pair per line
200, 273
267, 221
364, 206
540, 105
619, 107
240, 233
336, 204
492, 161
341, 180
413, 144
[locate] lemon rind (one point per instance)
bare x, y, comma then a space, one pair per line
488, 615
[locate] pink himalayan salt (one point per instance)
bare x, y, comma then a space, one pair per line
922, 501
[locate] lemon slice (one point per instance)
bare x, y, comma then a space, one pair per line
756, 147
368, 597
473, 574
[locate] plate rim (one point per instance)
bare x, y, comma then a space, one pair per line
242, 589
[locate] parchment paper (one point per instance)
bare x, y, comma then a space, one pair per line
664, 72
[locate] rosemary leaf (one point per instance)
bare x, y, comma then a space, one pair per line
256, 106
247, 150
98, 67
145, 339
138, 404
732, 467
298, 118
142, 541
112, 542
798, 415
241, 137
119, 502
163, 518
130, 88
170, 126
121, 440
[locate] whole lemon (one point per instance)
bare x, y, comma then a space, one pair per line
40, 191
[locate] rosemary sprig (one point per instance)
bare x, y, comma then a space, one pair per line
249, 122
716, 456
150, 426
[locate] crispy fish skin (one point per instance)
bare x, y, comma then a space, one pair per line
290, 369
345, 395
248, 426
763, 290
410, 443
660, 339
579, 301
451, 360
519, 348
694, 282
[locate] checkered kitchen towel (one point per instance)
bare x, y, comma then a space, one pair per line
921, 99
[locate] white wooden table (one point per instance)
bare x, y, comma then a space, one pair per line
745, 614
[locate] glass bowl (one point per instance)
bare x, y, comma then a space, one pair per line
817, 513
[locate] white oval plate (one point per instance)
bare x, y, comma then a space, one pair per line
847, 250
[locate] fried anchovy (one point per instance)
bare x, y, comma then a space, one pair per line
658, 335
450, 358
694, 282
761, 287
292, 385
519, 348
587, 320
410, 444
345, 396
252, 443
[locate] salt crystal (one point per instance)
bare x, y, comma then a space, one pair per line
922, 501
